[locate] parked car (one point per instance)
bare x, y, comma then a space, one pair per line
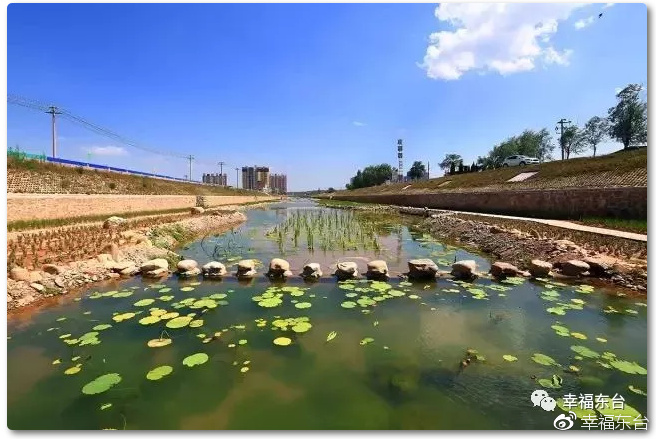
520, 160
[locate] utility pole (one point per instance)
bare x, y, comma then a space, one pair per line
562, 122
54, 111
237, 186
191, 157
428, 171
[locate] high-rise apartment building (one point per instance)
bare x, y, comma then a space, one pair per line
255, 178
216, 179
278, 183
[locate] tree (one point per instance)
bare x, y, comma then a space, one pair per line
594, 132
450, 160
536, 144
627, 121
573, 141
371, 176
417, 171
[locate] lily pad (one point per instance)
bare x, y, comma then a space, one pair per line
144, 302
579, 335
628, 367
166, 298
303, 305
601, 340
558, 310
638, 391
169, 315
331, 335
580, 413
509, 358
543, 359
196, 359
159, 373
301, 327
124, 316
187, 289
630, 414
366, 340
196, 323
348, 304
584, 351
270, 302
123, 294
101, 384
73, 370
105, 406
282, 341
179, 322
102, 327
159, 342
149, 320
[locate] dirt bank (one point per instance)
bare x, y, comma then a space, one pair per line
518, 242
142, 244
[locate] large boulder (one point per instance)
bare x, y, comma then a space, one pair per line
377, 270
600, 266
105, 258
52, 269
346, 270
278, 268
464, 269
36, 276
187, 268
246, 269
19, 273
113, 222
197, 210
503, 270
574, 267
155, 268
214, 269
311, 271
539, 268
422, 269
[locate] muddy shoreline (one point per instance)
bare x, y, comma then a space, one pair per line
48, 285
518, 242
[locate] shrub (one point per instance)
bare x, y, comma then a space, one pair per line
112, 185
65, 183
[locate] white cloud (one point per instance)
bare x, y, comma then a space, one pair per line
608, 5
107, 150
501, 37
584, 22
359, 124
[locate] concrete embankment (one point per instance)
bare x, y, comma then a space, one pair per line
55, 206
570, 203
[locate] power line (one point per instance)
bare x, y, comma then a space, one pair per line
84, 123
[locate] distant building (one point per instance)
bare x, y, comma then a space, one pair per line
278, 183
255, 178
216, 179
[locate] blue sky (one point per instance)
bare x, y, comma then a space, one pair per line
315, 91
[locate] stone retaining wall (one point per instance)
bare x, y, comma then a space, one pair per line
51, 206
574, 203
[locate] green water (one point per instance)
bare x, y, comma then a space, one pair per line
408, 377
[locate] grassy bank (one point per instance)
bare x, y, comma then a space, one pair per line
622, 168
31, 176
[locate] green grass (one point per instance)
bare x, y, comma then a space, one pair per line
618, 163
626, 225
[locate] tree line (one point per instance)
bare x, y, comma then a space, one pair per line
626, 122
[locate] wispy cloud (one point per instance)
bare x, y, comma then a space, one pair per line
505, 38
107, 150
584, 22
359, 124
608, 5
